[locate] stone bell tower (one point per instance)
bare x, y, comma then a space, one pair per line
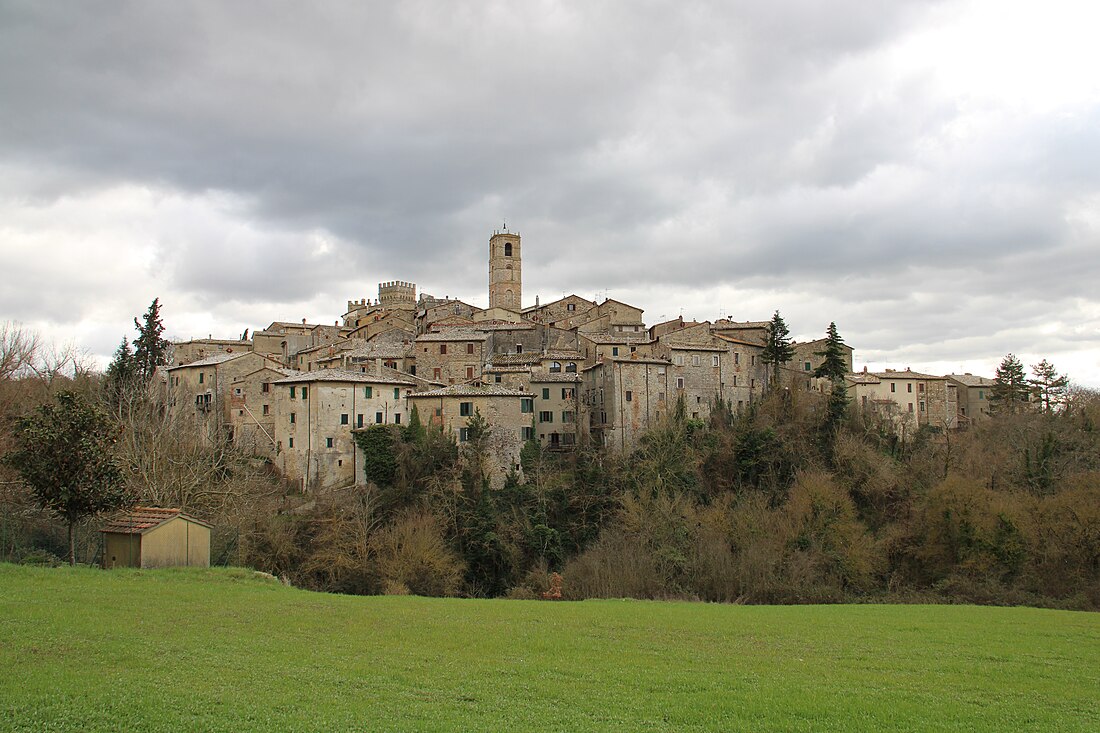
505, 274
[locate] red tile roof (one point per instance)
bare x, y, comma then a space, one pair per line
140, 520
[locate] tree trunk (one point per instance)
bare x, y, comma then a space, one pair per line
72, 542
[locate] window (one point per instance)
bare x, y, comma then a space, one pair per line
571, 368
734, 380
378, 418
546, 416
660, 371
752, 360
469, 372
397, 418
527, 433
714, 360
397, 393
240, 413
469, 348
571, 307
266, 409
526, 405
752, 384
568, 393
519, 348
236, 390
463, 434
368, 392
922, 405
466, 409
737, 357
201, 377
344, 419
328, 442
290, 442
893, 387
981, 394
436, 373
305, 393
805, 366
629, 396
910, 407
507, 249
695, 360
633, 349
679, 360
546, 393
359, 420
567, 416
555, 366
920, 387
660, 396
443, 348
614, 350
909, 388
176, 383
265, 387
679, 382
292, 418
496, 378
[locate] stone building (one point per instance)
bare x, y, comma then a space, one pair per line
561, 309
623, 397
505, 271
452, 356
908, 399
974, 393
250, 400
556, 407
201, 388
316, 413
808, 356
185, 352
509, 412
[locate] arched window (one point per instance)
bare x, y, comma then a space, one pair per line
555, 366
571, 367
507, 249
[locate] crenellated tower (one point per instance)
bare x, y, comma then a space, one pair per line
505, 273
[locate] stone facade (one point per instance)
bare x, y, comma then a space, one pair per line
316, 413
908, 399
974, 393
505, 271
185, 352
454, 356
508, 412
622, 398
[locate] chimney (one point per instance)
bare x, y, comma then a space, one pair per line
378, 365
303, 321
864, 368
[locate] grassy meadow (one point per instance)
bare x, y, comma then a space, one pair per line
226, 650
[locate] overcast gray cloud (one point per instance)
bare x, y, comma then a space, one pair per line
926, 174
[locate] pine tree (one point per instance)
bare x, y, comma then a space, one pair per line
834, 366
150, 347
1010, 391
777, 346
1050, 386
121, 372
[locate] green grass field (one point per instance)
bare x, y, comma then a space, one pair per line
188, 650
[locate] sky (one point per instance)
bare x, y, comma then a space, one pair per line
925, 174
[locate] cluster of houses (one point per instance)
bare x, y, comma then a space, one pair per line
568, 371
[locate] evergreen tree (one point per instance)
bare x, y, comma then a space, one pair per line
834, 366
1050, 386
63, 453
1010, 390
121, 372
151, 348
777, 346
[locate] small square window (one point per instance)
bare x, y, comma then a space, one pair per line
344, 419
465, 409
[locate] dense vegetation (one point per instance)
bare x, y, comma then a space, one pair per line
223, 650
795, 501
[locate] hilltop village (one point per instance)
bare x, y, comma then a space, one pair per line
565, 372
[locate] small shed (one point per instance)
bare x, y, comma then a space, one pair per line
153, 537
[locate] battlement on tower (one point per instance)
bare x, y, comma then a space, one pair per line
397, 292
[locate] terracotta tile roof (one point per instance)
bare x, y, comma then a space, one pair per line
340, 375
969, 380
907, 374
499, 360
541, 375
210, 360
140, 520
624, 337
455, 334
468, 390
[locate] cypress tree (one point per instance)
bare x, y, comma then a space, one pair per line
834, 366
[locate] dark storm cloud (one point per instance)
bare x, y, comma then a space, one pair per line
751, 147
